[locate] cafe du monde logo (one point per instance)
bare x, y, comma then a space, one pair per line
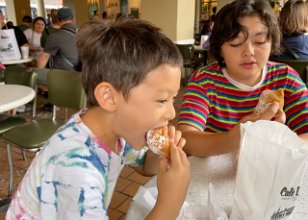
286, 193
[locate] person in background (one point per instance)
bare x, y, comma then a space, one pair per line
293, 22
125, 80
34, 36
52, 26
48, 20
104, 15
26, 23
20, 37
222, 95
119, 16
54, 20
60, 51
214, 10
95, 15
206, 30
207, 27
10, 24
60, 46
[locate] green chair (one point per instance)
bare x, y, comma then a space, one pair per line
20, 76
301, 67
64, 90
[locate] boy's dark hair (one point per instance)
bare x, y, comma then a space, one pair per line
122, 53
227, 26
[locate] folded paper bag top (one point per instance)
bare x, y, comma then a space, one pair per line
269, 180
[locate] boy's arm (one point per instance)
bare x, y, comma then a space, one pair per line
204, 144
171, 194
149, 167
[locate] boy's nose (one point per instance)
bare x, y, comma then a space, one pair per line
170, 114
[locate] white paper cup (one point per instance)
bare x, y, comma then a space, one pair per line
24, 52
203, 39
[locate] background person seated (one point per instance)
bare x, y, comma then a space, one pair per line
26, 23
293, 22
20, 37
34, 36
60, 46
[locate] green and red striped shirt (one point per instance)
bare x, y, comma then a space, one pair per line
212, 103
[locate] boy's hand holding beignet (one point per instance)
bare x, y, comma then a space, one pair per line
170, 173
159, 139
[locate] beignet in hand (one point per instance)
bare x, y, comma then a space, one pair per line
158, 141
267, 97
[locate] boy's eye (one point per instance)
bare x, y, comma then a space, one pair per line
162, 101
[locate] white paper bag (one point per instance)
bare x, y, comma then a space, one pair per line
271, 167
9, 49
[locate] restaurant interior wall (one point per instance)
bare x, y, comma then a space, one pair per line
16, 9
125, 7
174, 17
79, 10
207, 8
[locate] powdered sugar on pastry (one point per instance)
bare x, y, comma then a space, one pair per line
158, 141
267, 97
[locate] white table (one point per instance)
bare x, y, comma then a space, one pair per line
220, 171
20, 61
12, 96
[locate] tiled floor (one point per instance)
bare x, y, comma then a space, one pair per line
128, 183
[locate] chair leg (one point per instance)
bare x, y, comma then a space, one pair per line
11, 170
24, 155
66, 114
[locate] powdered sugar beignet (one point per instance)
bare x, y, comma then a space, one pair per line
269, 96
158, 141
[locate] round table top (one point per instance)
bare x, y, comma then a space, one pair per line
218, 170
11, 62
12, 96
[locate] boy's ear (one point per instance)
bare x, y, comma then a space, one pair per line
105, 95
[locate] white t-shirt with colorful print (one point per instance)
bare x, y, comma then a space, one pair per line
73, 176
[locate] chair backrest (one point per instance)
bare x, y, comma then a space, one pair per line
301, 67
65, 89
186, 50
22, 76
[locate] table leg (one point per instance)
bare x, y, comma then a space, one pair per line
11, 171
4, 203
